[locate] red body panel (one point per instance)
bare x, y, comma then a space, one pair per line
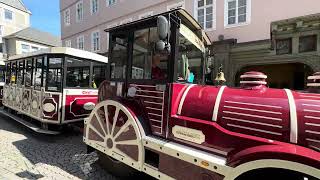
308, 112
74, 106
250, 124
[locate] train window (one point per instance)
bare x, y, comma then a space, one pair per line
2, 73
54, 74
119, 56
8, 72
13, 73
20, 73
28, 74
37, 76
78, 73
190, 57
146, 63
99, 74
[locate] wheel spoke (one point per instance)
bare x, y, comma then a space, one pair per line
127, 142
96, 131
99, 120
115, 119
127, 124
106, 114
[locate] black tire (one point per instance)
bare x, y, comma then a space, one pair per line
116, 167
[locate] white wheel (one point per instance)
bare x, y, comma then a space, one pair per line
112, 129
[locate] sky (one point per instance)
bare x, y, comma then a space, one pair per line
45, 15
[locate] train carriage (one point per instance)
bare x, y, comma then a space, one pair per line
156, 115
53, 87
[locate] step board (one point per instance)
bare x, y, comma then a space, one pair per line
28, 124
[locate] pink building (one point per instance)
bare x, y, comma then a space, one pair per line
240, 29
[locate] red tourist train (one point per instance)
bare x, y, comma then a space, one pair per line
52, 87
156, 114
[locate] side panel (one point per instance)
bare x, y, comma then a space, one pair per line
308, 119
37, 104
78, 103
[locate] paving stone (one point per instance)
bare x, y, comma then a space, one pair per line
27, 155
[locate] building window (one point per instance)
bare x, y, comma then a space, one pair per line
8, 15
284, 46
79, 12
308, 43
95, 41
94, 6
1, 30
34, 48
237, 12
206, 12
176, 6
80, 42
111, 2
68, 43
146, 15
67, 17
25, 48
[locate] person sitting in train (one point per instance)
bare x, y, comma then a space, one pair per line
156, 72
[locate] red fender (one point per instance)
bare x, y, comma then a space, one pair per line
292, 153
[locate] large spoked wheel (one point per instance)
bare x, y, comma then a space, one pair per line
113, 130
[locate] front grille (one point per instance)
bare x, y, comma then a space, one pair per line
153, 102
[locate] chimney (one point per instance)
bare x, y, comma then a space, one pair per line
253, 80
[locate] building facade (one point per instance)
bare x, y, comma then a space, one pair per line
28, 40
240, 31
14, 16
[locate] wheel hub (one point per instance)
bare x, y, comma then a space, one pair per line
109, 143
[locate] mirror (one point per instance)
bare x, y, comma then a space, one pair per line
163, 27
163, 46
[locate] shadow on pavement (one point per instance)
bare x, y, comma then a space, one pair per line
61, 156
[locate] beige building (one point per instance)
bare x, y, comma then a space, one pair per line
28, 40
240, 30
16, 35
14, 16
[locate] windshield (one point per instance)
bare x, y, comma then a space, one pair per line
190, 56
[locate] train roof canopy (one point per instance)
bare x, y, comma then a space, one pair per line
63, 50
183, 14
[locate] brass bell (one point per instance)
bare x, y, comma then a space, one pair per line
220, 77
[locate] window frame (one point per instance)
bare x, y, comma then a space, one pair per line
35, 60
81, 37
93, 43
4, 15
214, 14
66, 20
65, 71
315, 36
236, 24
26, 45
68, 43
25, 71
47, 59
92, 8
79, 17
111, 4
18, 69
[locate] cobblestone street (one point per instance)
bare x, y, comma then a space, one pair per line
24, 154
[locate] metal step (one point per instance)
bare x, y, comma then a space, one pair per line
28, 124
